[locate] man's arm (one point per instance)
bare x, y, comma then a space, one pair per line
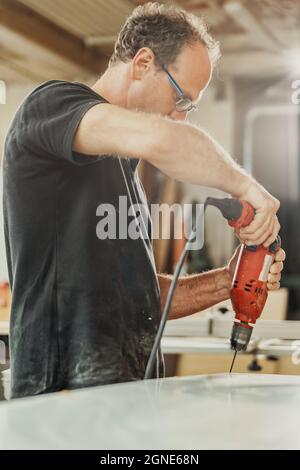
196, 292
178, 149
181, 151
200, 291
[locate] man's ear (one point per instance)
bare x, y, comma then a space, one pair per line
142, 62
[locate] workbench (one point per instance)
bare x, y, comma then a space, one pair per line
240, 411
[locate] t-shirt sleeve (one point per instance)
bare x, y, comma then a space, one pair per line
49, 117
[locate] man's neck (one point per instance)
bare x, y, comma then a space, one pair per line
111, 85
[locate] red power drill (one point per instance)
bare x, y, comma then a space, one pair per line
249, 286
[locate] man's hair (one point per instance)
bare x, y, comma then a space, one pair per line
165, 29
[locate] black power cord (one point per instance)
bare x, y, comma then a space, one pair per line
164, 317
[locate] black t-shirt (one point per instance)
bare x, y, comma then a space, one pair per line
84, 310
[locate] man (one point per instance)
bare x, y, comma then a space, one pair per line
85, 310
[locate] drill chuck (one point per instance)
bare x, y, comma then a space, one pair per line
240, 336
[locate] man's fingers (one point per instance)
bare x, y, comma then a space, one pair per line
254, 228
259, 221
260, 234
273, 278
276, 267
268, 237
267, 233
258, 237
273, 235
280, 255
273, 286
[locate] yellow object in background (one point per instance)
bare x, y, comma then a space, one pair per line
4, 301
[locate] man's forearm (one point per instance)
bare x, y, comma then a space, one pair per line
196, 292
180, 150
190, 154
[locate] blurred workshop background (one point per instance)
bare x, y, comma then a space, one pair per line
251, 107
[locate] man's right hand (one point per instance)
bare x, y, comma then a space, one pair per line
265, 226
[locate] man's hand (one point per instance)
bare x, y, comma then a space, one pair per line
265, 226
275, 270
274, 275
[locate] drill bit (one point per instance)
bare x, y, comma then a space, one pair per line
233, 361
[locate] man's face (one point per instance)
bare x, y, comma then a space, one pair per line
151, 90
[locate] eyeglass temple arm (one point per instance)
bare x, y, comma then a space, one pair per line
175, 85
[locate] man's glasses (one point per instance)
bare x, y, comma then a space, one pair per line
184, 104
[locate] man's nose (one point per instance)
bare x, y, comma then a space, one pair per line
178, 116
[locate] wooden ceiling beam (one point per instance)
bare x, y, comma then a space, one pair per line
259, 35
38, 29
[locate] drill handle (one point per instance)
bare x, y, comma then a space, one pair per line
246, 216
239, 213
